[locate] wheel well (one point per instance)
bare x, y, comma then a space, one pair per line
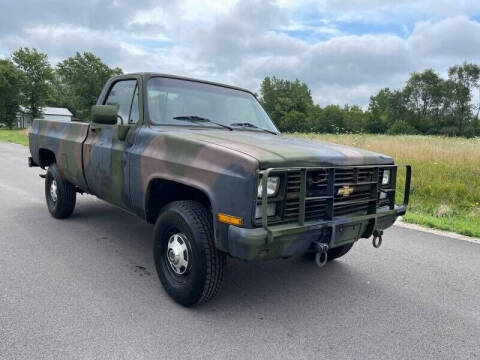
160, 192
46, 157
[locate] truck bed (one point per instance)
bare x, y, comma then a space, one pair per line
63, 139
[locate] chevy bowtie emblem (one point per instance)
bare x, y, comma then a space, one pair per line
345, 191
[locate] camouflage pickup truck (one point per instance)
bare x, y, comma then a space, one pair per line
205, 164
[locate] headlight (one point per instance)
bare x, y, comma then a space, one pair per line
273, 183
386, 177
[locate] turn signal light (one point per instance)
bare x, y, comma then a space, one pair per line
229, 219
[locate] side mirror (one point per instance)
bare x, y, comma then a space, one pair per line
104, 114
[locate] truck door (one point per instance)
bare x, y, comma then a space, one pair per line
106, 147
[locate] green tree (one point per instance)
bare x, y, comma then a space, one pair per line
423, 95
426, 104
331, 120
383, 109
353, 119
465, 77
401, 127
9, 92
447, 122
316, 121
35, 80
287, 102
57, 96
79, 81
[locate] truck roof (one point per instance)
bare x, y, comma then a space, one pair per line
147, 75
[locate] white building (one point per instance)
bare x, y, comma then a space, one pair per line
24, 120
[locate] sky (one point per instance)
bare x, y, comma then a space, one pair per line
344, 50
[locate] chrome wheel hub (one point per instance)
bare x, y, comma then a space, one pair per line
53, 190
177, 253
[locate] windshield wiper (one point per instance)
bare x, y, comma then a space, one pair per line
195, 118
250, 125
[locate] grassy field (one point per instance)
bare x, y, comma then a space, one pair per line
445, 176
14, 136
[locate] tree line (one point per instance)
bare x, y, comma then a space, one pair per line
27, 78
427, 104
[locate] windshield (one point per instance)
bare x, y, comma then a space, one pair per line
174, 101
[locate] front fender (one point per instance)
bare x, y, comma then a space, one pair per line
228, 178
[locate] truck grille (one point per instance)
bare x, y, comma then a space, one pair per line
353, 191
314, 209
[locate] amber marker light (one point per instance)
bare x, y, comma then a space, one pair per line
229, 219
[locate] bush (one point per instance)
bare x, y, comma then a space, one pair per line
401, 127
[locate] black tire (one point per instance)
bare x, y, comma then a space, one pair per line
66, 196
332, 254
339, 251
203, 276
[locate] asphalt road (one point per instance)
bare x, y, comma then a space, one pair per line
86, 288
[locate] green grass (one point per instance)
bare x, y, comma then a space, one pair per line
445, 192
14, 136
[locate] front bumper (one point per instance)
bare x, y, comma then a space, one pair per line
291, 239
284, 240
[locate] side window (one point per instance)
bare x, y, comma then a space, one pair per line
134, 114
121, 95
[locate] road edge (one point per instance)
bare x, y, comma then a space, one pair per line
449, 234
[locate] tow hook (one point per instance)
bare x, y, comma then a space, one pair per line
377, 238
321, 255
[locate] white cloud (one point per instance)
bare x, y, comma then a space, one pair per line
451, 38
242, 41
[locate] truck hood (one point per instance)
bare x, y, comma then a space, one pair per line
281, 151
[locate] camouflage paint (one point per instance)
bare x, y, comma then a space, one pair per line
65, 140
223, 164
228, 178
280, 151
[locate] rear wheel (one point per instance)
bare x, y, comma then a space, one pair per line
187, 262
59, 194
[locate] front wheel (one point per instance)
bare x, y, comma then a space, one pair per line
187, 262
334, 253
339, 251
60, 194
